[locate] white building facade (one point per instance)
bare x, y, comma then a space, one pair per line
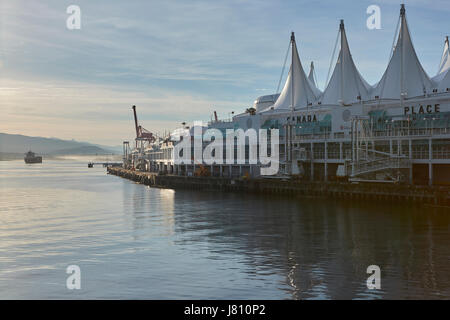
397, 130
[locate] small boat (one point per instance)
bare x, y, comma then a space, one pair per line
30, 157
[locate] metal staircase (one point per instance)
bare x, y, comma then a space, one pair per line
366, 160
366, 166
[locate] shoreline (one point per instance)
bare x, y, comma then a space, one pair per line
62, 157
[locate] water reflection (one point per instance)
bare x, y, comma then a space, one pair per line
152, 210
132, 241
323, 248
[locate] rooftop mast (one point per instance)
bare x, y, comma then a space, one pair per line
292, 70
402, 30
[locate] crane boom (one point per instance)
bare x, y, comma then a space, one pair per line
136, 122
141, 132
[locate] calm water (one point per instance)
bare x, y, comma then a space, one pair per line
135, 242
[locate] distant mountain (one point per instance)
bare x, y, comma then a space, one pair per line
16, 143
83, 150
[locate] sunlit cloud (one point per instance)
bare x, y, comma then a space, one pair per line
178, 60
94, 112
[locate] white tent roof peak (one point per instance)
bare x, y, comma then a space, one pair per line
444, 84
444, 65
443, 77
445, 60
404, 76
346, 84
311, 75
298, 91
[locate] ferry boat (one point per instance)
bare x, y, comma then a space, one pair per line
30, 157
397, 130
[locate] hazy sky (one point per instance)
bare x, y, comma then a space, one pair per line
179, 60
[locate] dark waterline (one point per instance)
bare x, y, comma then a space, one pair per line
135, 242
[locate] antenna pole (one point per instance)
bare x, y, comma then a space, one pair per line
292, 70
402, 43
291, 118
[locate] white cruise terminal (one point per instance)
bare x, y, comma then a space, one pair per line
397, 130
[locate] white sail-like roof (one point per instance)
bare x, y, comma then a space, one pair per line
346, 85
404, 74
444, 84
444, 66
304, 92
311, 75
445, 60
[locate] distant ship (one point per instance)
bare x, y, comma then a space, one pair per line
30, 157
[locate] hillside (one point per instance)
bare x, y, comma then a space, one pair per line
15, 143
83, 150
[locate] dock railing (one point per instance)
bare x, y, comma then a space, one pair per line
374, 165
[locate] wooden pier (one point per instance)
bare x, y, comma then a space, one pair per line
105, 164
431, 195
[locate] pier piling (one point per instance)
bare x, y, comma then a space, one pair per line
398, 193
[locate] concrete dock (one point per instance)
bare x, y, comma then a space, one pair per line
431, 195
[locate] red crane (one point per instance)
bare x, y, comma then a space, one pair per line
142, 133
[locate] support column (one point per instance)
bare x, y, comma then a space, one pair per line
353, 147
312, 161
367, 149
326, 163
430, 150
430, 165
430, 173
285, 145
410, 159
288, 142
341, 155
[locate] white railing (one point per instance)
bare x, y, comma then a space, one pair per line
404, 132
369, 166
